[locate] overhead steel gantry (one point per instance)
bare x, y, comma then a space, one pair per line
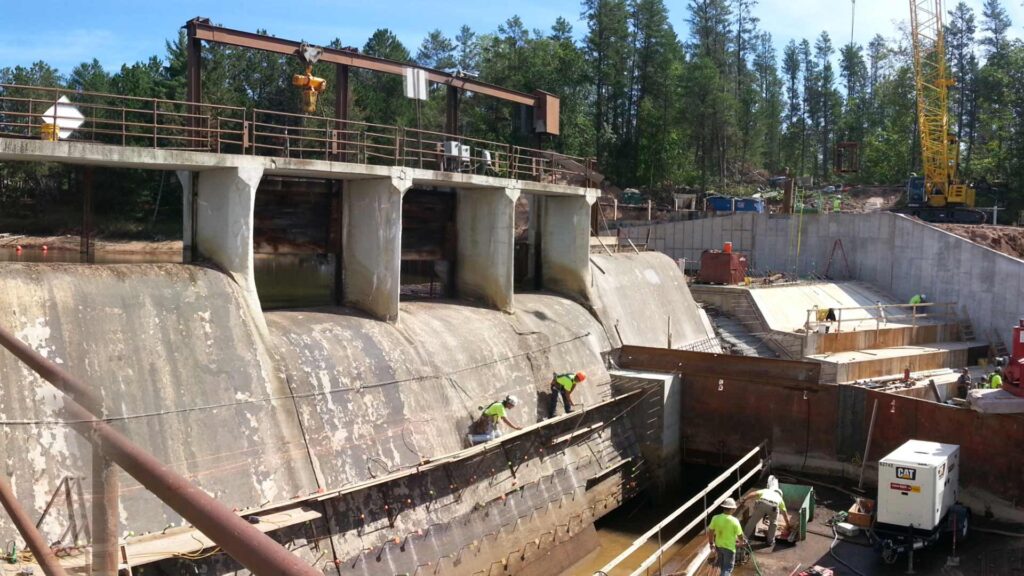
546, 106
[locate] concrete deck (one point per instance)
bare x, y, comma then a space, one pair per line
785, 307
862, 364
89, 154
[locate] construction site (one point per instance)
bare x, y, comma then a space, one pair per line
383, 351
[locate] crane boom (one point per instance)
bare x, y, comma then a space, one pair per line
940, 150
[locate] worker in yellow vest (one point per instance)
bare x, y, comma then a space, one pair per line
995, 380
564, 385
485, 428
724, 532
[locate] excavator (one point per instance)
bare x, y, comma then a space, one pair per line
938, 195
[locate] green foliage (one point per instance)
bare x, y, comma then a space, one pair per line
719, 109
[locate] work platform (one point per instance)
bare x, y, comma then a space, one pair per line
855, 331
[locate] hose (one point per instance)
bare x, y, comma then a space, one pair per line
997, 532
832, 552
754, 560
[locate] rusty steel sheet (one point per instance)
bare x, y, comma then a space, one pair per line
790, 374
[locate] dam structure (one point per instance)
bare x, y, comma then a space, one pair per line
339, 431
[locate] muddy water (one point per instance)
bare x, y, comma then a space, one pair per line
619, 529
282, 280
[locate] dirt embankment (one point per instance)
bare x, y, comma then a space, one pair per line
1006, 239
74, 243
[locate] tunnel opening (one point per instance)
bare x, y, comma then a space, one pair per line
429, 237
296, 242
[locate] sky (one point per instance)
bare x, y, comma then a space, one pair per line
65, 33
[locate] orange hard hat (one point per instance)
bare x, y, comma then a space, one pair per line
580, 376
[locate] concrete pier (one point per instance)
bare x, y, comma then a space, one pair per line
373, 245
224, 226
486, 246
565, 245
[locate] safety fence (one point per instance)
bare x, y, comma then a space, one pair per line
707, 507
128, 121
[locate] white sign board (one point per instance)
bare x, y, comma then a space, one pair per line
416, 84
64, 115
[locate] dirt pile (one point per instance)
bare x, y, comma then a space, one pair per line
1006, 239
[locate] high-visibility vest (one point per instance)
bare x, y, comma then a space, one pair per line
566, 381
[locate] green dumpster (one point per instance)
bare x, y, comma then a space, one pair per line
800, 502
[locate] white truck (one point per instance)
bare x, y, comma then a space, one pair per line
918, 492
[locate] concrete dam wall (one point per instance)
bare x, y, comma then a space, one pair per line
358, 423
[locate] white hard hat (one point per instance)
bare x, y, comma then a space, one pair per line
511, 400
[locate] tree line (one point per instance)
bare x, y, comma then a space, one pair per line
713, 108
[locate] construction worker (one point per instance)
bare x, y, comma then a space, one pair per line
995, 380
564, 385
765, 503
837, 204
963, 383
918, 299
485, 428
724, 532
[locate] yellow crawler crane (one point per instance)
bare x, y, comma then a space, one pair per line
939, 195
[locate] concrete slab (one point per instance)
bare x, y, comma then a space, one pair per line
862, 364
785, 307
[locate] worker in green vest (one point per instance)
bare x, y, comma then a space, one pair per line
995, 380
724, 532
918, 299
837, 204
564, 385
485, 428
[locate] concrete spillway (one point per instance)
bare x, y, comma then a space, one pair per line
331, 401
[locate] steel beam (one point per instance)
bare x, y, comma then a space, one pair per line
35, 541
239, 539
452, 111
789, 374
201, 29
105, 549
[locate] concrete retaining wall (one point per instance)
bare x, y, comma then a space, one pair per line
897, 254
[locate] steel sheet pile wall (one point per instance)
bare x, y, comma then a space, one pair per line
826, 431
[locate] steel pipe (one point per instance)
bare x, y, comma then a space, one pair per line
40, 549
239, 539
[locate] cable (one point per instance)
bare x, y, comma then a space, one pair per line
754, 560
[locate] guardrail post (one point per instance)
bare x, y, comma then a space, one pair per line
154, 125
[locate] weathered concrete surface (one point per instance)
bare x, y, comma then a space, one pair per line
642, 298
486, 246
90, 154
565, 246
372, 245
175, 354
374, 396
895, 253
224, 227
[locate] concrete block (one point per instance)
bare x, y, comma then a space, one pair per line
486, 246
372, 245
224, 227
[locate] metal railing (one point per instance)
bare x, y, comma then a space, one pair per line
881, 314
706, 510
169, 124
